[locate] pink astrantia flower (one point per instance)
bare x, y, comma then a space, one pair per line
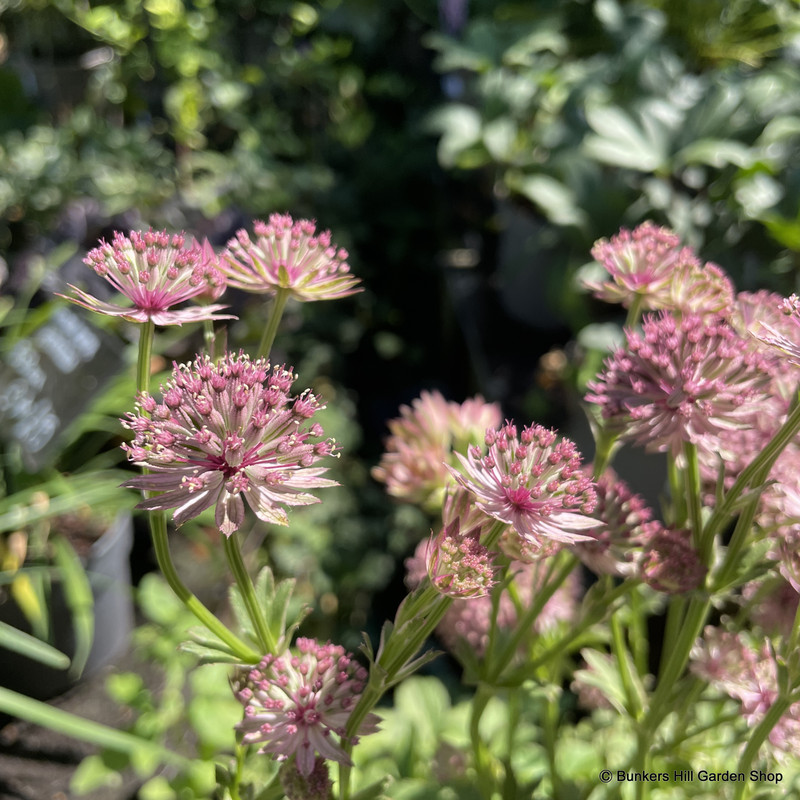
680, 381
288, 254
299, 705
670, 564
641, 265
627, 522
532, 482
749, 674
215, 281
225, 432
650, 267
468, 621
155, 271
458, 564
785, 337
423, 439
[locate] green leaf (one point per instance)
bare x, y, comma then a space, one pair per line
717, 153
124, 687
557, 201
29, 646
93, 773
157, 788
460, 127
79, 598
85, 730
620, 141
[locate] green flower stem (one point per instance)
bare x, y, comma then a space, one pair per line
248, 593
603, 448
679, 510
757, 469
634, 312
691, 482
676, 661
638, 634
278, 305
794, 637
209, 337
158, 529
620, 651
525, 623
146, 336
758, 737
480, 754
676, 611
603, 605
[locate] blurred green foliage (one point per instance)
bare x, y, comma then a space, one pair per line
597, 115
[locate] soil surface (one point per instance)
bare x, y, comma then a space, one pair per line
37, 764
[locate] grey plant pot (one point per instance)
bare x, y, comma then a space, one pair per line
108, 569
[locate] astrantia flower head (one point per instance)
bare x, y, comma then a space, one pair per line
155, 271
531, 481
291, 255
680, 381
670, 564
784, 335
641, 265
749, 674
468, 621
458, 564
224, 432
423, 439
627, 521
299, 705
650, 268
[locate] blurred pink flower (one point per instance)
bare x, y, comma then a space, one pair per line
670, 564
650, 266
626, 523
288, 255
226, 431
215, 281
749, 674
422, 441
293, 703
681, 381
155, 271
784, 334
532, 482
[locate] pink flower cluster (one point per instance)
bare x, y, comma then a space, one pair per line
290, 255
748, 674
224, 432
531, 481
458, 564
155, 271
468, 620
422, 441
649, 267
299, 705
678, 381
627, 524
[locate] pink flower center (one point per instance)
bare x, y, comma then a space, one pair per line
520, 498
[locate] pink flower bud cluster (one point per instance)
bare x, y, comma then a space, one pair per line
227, 431
458, 564
291, 255
627, 524
648, 266
531, 481
670, 564
422, 443
155, 271
748, 674
299, 705
681, 381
